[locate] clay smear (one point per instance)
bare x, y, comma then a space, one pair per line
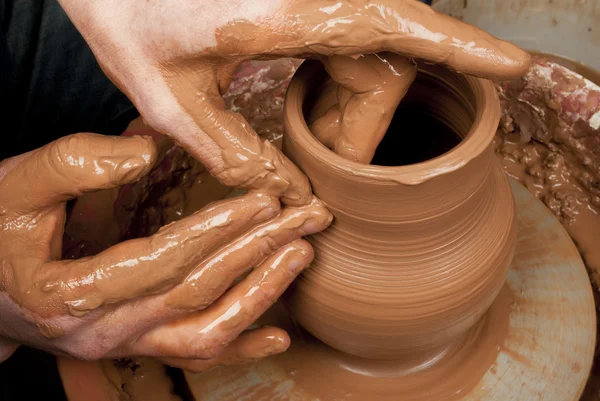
367, 91
548, 140
313, 370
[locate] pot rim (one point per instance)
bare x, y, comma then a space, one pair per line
477, 140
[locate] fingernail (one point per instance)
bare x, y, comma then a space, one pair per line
274, 350
310, 226
317, 223
296, 266
298, 259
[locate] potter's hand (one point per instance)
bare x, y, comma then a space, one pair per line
167, 295
354, 112
175, 59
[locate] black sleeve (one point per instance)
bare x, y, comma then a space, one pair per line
51, 80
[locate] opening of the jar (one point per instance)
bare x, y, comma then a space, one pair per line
463, 106
432, 119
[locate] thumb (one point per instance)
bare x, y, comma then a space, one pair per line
71, 166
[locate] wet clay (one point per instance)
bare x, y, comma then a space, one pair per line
556, 156
387, 282
459, 367
575, 66
140, 379
544, 171
547, 351
221, 378
226, 143
368, 91
555, 160
120, 380
320, 372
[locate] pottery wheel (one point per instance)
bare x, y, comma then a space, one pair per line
545, 354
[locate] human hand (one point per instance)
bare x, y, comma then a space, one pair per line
173, 295
353, 113
175, 59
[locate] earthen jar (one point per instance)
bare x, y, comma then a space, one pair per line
417, 253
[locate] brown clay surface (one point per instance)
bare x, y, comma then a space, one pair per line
550, 334
320, 372
416, 254
549, 140
224, 140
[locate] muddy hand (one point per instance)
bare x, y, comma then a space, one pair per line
355, 111
178, 58
118, 302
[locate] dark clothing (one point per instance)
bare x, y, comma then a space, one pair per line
51, 84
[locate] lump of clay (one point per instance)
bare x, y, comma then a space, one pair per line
560, 109
549, 140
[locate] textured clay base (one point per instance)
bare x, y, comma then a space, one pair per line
536, 342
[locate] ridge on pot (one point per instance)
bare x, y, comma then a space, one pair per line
417, 253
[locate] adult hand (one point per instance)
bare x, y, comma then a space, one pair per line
177, 294
353, 113
175, 59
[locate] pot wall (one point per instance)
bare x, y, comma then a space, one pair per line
416, 254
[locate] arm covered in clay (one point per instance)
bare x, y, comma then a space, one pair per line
175, 60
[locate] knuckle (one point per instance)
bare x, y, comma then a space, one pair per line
206, 349
89, 347
214, 351
271, 244
64, 150
262, 298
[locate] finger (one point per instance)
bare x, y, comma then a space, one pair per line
366, 117
203, 335
371, 87
251, 346
215, 274
73, 165
406, 27
243, 159
142, 266
327, 127
325, 98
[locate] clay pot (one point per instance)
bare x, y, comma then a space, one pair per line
416, 253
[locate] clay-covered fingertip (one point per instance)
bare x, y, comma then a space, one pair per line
149, 150
143, 149
299, 253
521, 67
269, 206
518, 61
279, 341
